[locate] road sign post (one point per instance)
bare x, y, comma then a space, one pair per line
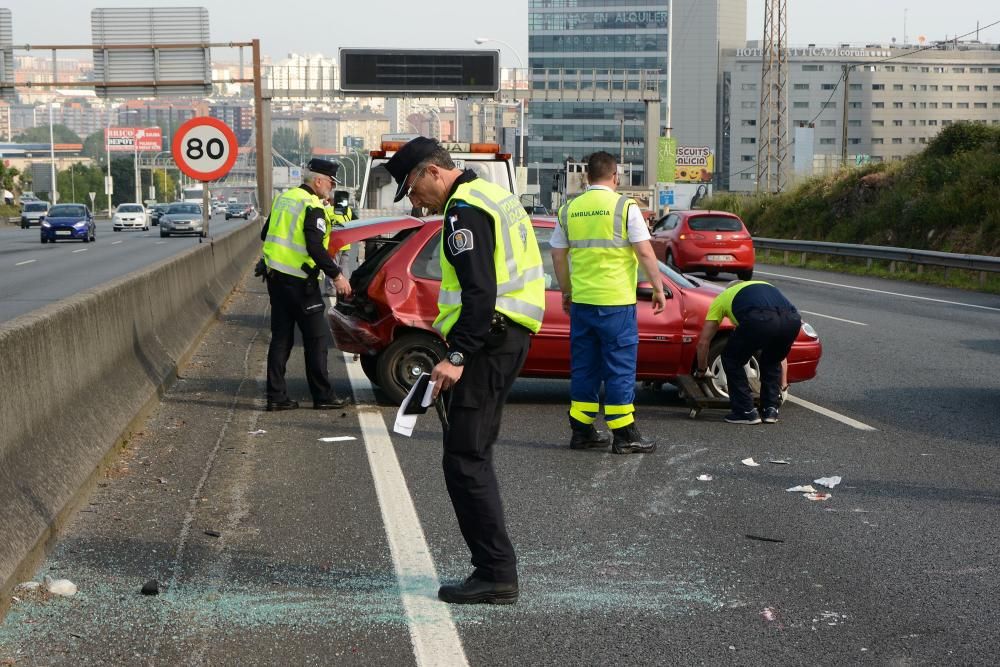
205, 149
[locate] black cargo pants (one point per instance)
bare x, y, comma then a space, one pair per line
771, 331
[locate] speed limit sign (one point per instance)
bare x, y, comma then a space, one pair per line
205, 148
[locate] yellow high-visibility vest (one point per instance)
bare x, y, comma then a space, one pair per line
285, 245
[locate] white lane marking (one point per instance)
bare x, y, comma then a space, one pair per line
831, 317
80, 250
878, 291
27, 261
432, 631
853, 423
115, 242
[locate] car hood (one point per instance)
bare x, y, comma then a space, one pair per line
360, 230
65, 220
181, 217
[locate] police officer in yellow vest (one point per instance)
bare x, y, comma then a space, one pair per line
492, 299
597, 247
296, 236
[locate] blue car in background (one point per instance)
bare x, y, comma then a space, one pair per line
69, 221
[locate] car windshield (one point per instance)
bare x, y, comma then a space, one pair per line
707, 223
184, 208
675, 276
67, 212
34, 207
130, 208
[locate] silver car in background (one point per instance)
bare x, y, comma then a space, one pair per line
182, 218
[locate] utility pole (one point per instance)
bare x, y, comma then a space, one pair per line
772, 123
843, 130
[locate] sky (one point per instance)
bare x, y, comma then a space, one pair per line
454, 24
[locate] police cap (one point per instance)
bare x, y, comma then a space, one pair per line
325, 167
407, 158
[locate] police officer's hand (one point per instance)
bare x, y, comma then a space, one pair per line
659, 302
567, 301
445, 375
343, 287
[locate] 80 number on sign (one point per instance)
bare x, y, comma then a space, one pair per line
205, 148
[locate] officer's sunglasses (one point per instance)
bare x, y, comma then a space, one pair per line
413, 181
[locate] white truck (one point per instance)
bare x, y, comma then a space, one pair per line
379, 188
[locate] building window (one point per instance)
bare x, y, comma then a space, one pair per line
946, 88
994, 70
932, 122
912, 122
828, 123
923, 86
958, 70
923, 122
800, 105
946, 105
812, 68
878, 86
743, 105
875, 105
923, 105
932, 105
826, 141
897, 105
996, 105
979, 105
749, 86
854, 123
897, 86
877, 140
748, 123
963, 89
857, 105
890, 68
800, 86
923, 140
748, 140
746, 158
913, 140
934, 86
854, 140
897, 140
913, 105
878, 123
947, 122
854, 86
963, 105
982, 89
746, 177
975, 70
913, 87
897, 123
827, 86
996, 89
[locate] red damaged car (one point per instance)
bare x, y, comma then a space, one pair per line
387, 321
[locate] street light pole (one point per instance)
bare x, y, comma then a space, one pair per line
108, 186
54, 194
520, 100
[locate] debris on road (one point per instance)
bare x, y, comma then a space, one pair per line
151, 587
750, 462
339, 438
760, 538
28, 586
63, 587
818, 496
705, 478
780, 462
801, 489
828, 482
259, 431
213, 533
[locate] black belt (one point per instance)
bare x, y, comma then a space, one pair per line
501, 322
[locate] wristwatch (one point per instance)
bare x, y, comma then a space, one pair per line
456, 358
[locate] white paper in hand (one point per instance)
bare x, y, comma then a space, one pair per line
415, 403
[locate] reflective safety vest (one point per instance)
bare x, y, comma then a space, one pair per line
285, 245
604, 267
516, 257
339, 219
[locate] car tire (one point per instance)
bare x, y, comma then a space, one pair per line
163, 234
711, 273
369, 364
745, 275
718, 385
400, 364
669, 261
44, 240
146, 228
86, 239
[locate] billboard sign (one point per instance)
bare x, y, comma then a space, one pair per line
695, 164
124, 139
666, 160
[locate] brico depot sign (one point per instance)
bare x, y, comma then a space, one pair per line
131, 139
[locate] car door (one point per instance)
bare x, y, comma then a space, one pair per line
549, 354
660, 235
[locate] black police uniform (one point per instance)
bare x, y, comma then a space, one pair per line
768, 322
298, 301
494, 348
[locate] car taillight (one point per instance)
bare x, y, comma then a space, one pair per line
696, 237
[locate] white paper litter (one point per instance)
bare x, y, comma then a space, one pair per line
750, 462
828, 482
817, 496
802, 489
259, 431
338, 438
704, 478
63, 587
780, 462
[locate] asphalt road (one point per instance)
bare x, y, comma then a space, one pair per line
331, 552
33, 275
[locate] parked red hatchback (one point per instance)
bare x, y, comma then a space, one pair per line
709, 241
388, 320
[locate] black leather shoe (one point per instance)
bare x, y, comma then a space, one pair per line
479, 591
628, 440
589, 439
278, 406
332, 403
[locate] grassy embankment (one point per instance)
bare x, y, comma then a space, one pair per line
946, 198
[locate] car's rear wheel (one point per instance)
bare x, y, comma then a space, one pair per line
712, 273
405, 360
745, 275
720, 384
669, 261
163, 234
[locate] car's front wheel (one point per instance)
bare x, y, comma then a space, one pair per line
163, 234
745, 275
405, 360
720, 384
369, 364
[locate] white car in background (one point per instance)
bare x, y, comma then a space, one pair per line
130, 216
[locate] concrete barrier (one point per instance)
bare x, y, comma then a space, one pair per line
79, 375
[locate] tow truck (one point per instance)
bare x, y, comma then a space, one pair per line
379, 188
